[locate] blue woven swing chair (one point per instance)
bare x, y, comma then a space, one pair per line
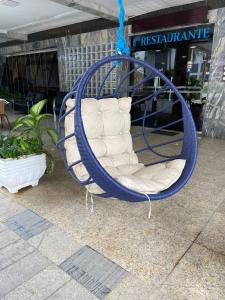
125, 66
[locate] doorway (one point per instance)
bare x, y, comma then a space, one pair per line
187, 66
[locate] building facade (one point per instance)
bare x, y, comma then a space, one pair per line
188, 47
189, 50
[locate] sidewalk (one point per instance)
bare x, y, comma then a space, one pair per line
40, 261
51, 247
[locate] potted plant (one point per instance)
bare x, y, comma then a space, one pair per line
22, 153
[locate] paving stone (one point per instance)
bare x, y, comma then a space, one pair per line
132, 288
14, 252
56, 244
2, 227
221, 208
40, 286
72, 291
200, 275
94, 271
7, 237
212, 235
28, 224
9, 208
21, 271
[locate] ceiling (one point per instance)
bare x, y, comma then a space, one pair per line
138, 7
21, 17
33, 16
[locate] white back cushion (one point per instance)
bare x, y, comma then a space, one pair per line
107, 127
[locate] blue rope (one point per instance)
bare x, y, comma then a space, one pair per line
121, 45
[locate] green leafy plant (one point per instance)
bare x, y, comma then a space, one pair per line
31, 126
16, 146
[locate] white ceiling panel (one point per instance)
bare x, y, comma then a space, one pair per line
137, 7
28, 16
35, 15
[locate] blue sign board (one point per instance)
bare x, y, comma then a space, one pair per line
175, 36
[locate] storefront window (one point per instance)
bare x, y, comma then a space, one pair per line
31, 73
161, 59
198, 63
186, 64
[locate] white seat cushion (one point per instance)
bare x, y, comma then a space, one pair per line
155, 178
107, 127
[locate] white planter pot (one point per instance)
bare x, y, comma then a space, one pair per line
18, 173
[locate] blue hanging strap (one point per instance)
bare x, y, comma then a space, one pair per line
121, 45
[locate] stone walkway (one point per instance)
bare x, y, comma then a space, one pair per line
51, 247
40, 261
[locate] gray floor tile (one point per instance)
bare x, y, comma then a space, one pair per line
7, 237
221, 208
2, 227
56, 244
200, 275
9, 208
213, 236
14, 252
94, 271
179, 220
21, 271
40, 286
132, 288
72, 291
27, 224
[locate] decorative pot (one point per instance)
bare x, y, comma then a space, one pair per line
16, 174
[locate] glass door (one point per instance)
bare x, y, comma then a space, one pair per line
197, 75
163, 59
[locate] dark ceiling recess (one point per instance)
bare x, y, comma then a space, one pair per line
175, 16
186, 17
87, 26
209, 4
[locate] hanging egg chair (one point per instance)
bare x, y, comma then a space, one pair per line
96, 139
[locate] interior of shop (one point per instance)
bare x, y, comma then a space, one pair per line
187, 65
30, 77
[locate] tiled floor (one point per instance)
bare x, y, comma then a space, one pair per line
40, 261
94, 271
27, 224
177, 254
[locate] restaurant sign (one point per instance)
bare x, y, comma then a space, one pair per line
174, 36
